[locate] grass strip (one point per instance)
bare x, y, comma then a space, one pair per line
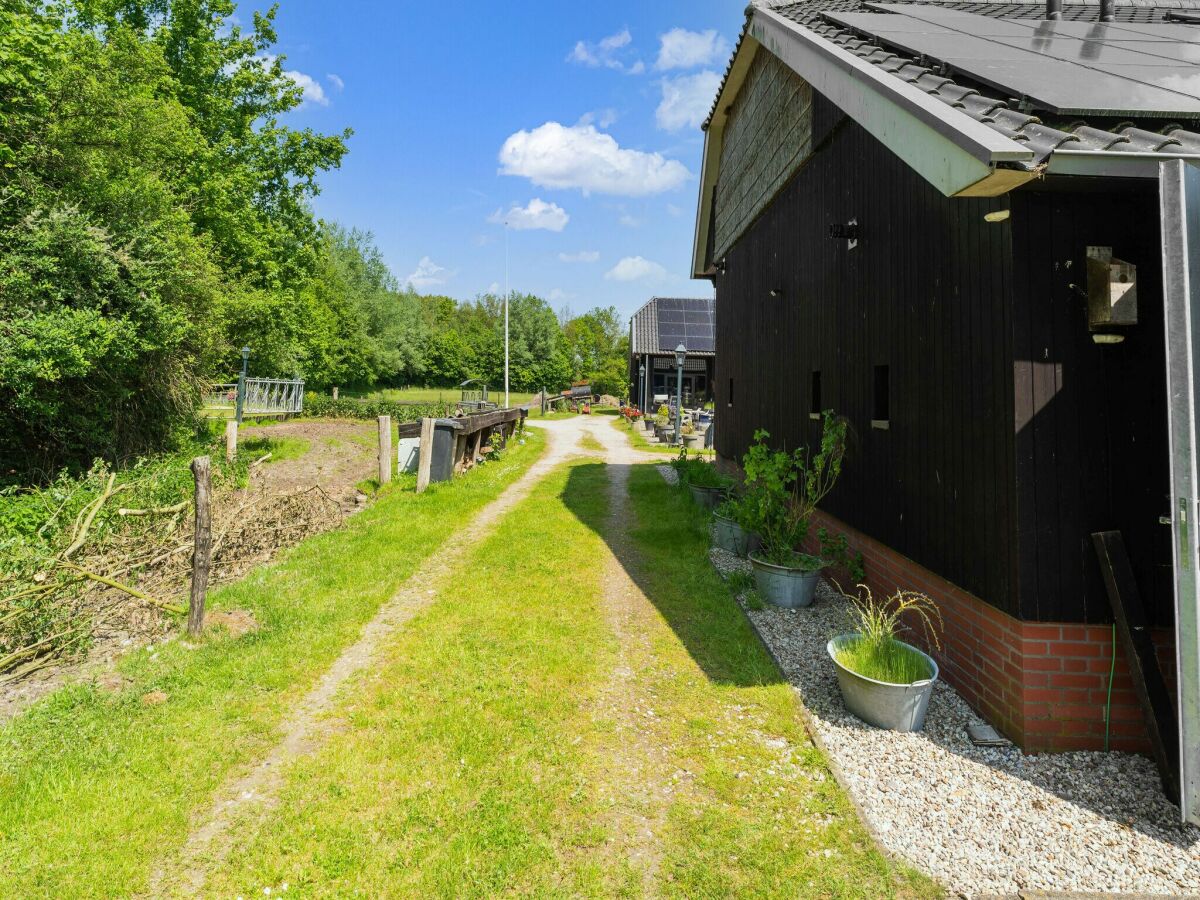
765, 818
889, 660
461, 770
95, 786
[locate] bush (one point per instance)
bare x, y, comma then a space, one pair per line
324, 406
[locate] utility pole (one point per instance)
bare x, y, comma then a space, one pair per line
507, 405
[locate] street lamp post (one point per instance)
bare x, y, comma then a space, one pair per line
241, 387
642, 387
680, 358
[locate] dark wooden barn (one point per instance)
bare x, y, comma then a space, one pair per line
655, 331
893, 238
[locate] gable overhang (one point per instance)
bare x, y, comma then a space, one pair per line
956, 154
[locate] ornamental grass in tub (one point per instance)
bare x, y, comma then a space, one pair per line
875, 651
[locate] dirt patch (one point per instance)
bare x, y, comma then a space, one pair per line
286, 501
234, 622
112, 682
154, 698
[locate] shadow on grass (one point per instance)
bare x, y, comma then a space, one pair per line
661, 538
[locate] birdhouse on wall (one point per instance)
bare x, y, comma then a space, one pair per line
1112, 289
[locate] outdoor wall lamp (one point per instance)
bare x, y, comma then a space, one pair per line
776, 292
847, 232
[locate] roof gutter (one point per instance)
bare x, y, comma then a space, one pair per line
1111, 163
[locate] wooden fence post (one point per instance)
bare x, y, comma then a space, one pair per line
202, 550
335, 393
231, 430
425, 455
385, 449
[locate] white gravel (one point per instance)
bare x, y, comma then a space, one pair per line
670, 476
983, 821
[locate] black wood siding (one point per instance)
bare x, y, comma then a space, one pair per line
928, 293
1091, 439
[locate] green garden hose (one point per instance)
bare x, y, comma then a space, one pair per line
1111, 671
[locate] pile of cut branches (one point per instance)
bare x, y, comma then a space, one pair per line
111, 554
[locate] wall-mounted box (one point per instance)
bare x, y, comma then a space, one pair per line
1112, 289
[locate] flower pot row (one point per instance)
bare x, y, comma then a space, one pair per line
898, 699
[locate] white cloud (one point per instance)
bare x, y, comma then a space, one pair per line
602, 117
311, 88
629, 221
674, 210
686, 100
336, 81
493, 288
557, 156
636, 268
683, 49
558, 294
583, 256
428, 274
607, 53
537, 215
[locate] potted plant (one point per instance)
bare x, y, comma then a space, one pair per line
708, 486
692, 439
784, 489
733, 528
884, 681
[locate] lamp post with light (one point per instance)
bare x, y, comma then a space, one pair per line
241, 387
680, 358
642, 387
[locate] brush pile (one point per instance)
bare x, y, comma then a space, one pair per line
110, 555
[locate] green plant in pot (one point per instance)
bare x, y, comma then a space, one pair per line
735, 527
885, 681
692, 439
784, 490
708, 486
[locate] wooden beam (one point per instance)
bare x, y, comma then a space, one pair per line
201, 545
385, 449
425, 454
1134, 631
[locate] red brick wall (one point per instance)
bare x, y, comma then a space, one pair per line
1043, 684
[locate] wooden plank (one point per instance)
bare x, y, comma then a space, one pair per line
425, 454
1134, 631
385, 449
201, 545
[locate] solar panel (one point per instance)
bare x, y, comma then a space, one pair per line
687, 322
1073, 68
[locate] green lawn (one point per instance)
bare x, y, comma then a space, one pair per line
281, 448
438, 395
484, 756
95, 787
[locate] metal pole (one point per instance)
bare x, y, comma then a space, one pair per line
241, 388
506, 403
679, 402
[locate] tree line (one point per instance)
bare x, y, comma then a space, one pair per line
155, 216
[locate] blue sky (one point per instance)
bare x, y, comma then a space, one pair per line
575, 122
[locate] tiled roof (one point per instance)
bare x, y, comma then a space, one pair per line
1040, 136
646, 336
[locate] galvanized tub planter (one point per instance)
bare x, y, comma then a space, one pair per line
895, 707
692, 441
785, 586
708, 497
729, 535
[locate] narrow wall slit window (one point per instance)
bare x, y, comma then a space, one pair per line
729, 396
881, 412
814, 408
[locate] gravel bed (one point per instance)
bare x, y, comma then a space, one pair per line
983, 821
670, 476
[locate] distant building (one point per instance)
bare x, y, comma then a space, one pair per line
950, 223
654, 332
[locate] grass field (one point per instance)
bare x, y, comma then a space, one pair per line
438, 395
484, 756
96, 785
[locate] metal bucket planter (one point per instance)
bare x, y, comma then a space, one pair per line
783, 585
693, 441
708, 497
730, 536
896, 707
